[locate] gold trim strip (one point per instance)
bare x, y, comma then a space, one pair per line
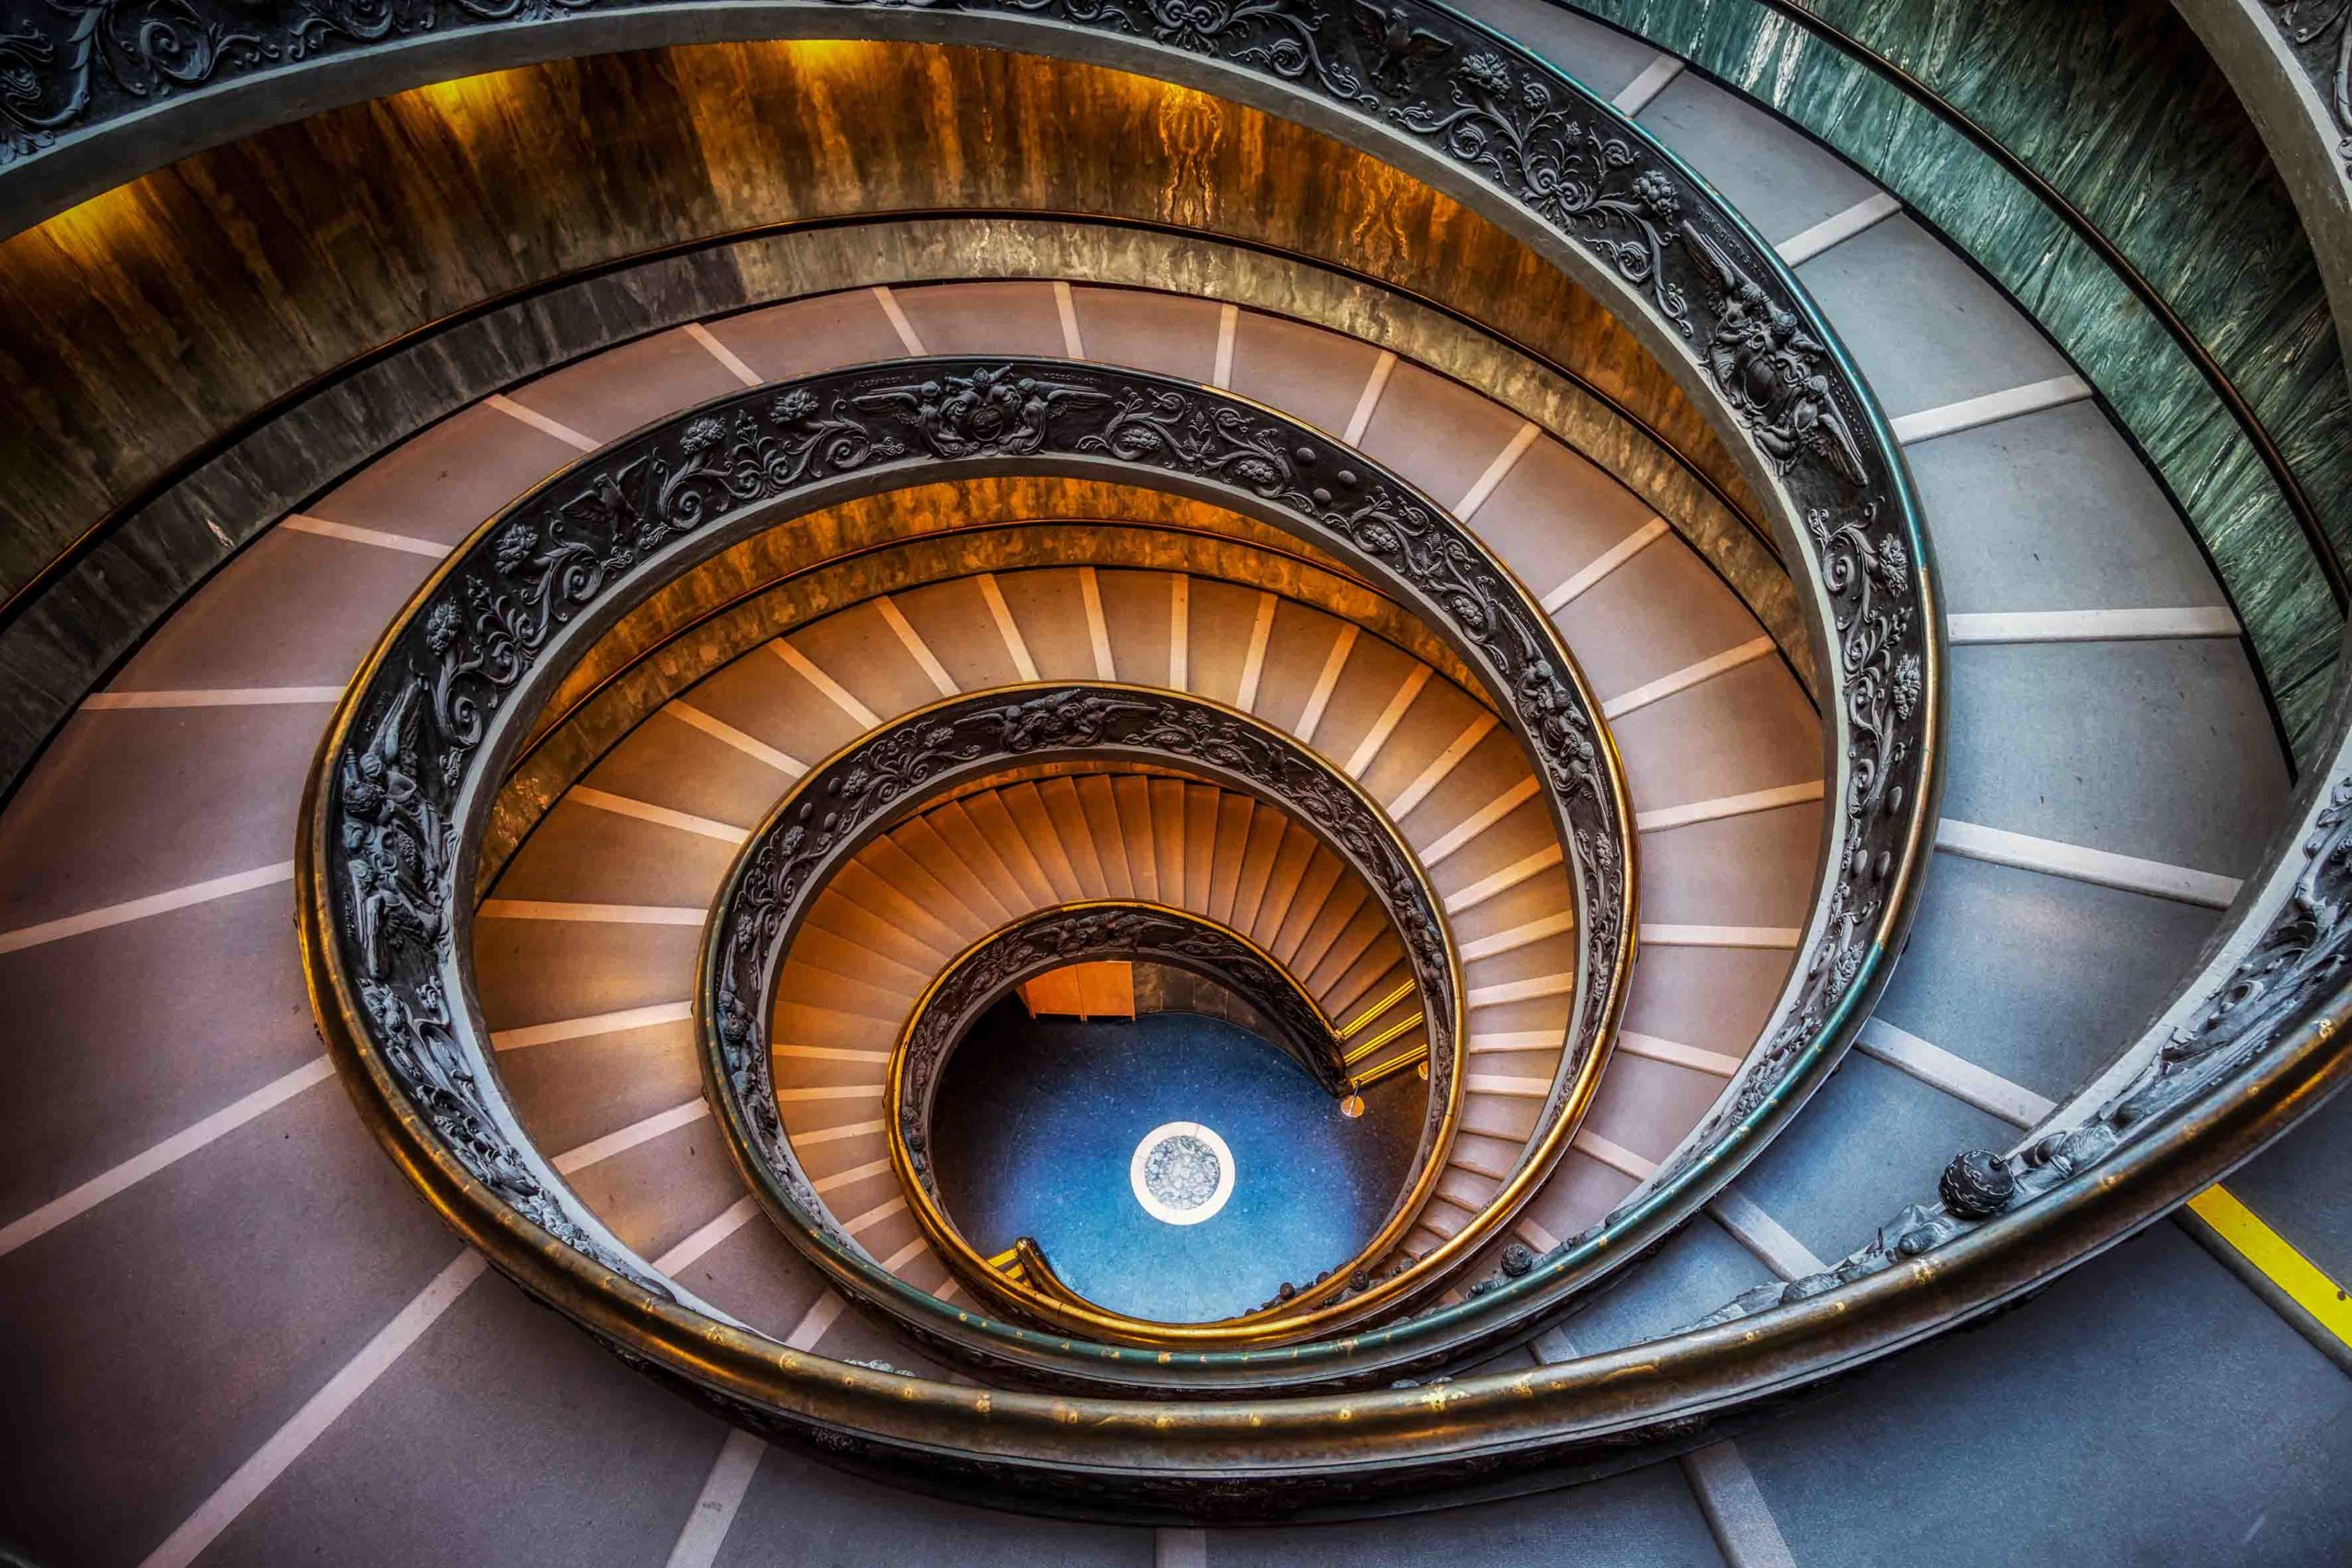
1359, 1053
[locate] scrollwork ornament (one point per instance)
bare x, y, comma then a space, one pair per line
2304, 956
834, 811
2319, 34
590, 541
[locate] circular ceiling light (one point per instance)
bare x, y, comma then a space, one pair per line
1182, 1173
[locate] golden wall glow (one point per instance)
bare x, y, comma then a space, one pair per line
163, 312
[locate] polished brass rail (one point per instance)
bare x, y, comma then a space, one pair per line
927, 1039
787, 861
1654, 241
2217, 379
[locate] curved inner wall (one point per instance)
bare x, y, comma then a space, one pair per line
343, 342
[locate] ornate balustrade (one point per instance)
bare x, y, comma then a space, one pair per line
420, 742
839, 806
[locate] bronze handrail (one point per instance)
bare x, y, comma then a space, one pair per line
990, 969
1561, 167
838, 807
2234, 401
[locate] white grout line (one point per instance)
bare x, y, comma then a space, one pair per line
1552, 1345
1838, 227
854, 1174
1496, 471
1542, 1239
725, 356
835, 1134
2099, 867
715, 1507
318, 1413
839, 695
541, 423
1073, 344
140, 908
1636, 95
905, 1255
1993, 407
875, 1215
1764, 1236
589, 1027
661, 816
1519, 990
1514, 1089
1179, 1548
630, 1137
1511, 1043
1722, 936
1962, 1079
1609, 560
720, 730
1006, 628
605, 914
1180, 632
215, 697
917, 649
1518, 937
405, 543
2091, 625
830, 1091
1385, 725
322, 1409
81, 1200
1312, 718
1736, 1513
1502, 881
1690, 675
702, 1239
1098, 628
1253, 663
1479, 821
899, 322
1228, 320
1715, 810
1616, 1157
815, 1321
1374, 384
831, 1053
1633, 1043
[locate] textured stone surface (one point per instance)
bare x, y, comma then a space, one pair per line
2114, 102
146, 315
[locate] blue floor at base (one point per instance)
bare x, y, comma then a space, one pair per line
1036, 1122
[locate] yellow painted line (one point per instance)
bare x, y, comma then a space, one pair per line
2306, 1283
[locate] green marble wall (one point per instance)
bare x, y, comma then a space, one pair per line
2114, 102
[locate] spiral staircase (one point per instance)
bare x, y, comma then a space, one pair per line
1716, 627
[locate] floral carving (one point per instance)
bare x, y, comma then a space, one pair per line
836, 811
2319, 34
1574, 165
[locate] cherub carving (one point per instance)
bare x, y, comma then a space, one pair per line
397, 840
1766, 364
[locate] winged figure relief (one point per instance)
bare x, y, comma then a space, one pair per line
1401, 42
1770, 367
